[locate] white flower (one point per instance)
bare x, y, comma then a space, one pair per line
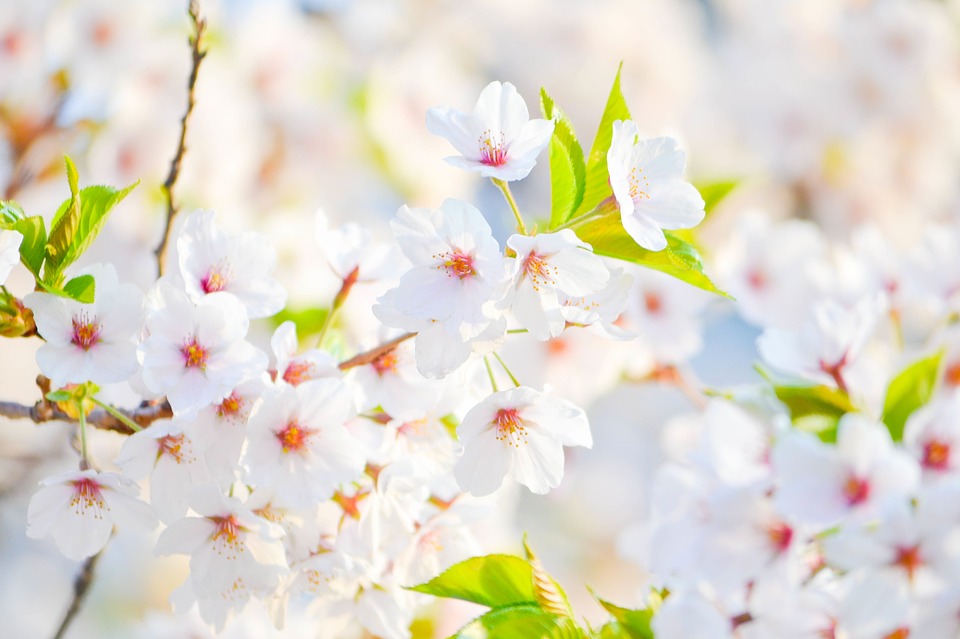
547, 267
89, 342
294, 369
234, 555
298, 444
212, 261
932, 434
169, 455
9, 252
392, 382
521, 433
449, 295
647, 180
351, 247
196, 354
498, 139
78, 509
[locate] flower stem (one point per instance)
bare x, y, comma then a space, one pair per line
134, 426
493, 381
84, 459
505, 189
338, 301
605, 207
509, 374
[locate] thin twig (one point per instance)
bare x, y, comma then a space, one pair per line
368, 356
199, 53
80, 588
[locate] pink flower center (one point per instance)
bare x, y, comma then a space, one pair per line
231, 407
298, 372
227, 531
213, 281
538, 269
780, 536
194, 355
936, 455
86, 332
909, 559
87, 496
756, 279
856, 490
385, 364
493, 151
172, 445
652, 302
294, 437
952, 374
510, 427
639, 184
457, 264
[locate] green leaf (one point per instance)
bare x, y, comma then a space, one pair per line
81, 288
63, 227
10, 212
597, 186
908, 391
680, 259
567, 166
815, 409
34, 240
519, 621
59, 396
634, 624
309, 321
713, 193
493, 580
549, 593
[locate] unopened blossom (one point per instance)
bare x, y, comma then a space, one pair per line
9, 252
521, 433
449, 295
293, 368
234, 554
647, 181
212, 261
79, 509
173, 462
196, 354
822, 485
89, 342
298, 444
548, 267
499, 140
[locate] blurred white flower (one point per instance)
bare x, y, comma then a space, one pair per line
647, 181
9, 252
498, 139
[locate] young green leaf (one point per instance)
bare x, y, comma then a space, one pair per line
34, 240
81, 288
815, 409
567, 166
549, 593
597, 186
713, 193
680, 259
518, 621
492, 580
633, 624
908, 391
10, 212
63, 227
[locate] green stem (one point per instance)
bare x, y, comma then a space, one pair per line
517, 331
129, 423
505, 189
338, 301
605, 207
509, 374
493, 381
84, 459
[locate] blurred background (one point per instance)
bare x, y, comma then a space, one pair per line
832, 116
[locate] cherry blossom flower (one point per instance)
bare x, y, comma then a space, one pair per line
932, 434
499, 140
170, 457
234, 555
392, 382
196, 354
294, 369
78, 509
351, 248
647, 181
521, 433
9, 252
89, 342
298, 444
212, 261
548, 266
449, 295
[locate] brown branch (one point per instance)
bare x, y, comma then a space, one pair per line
368, 356
44, 411
80, 588
199, 53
